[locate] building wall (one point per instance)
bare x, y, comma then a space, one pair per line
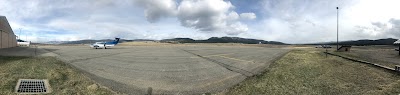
7, 36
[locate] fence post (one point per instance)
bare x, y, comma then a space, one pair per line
326, 53
1, 38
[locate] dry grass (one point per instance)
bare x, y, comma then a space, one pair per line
62, 78
305, 72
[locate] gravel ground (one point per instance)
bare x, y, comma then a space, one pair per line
384, 55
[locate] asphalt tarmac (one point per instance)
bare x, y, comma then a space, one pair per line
168, 69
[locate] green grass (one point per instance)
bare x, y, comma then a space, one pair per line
308, 72
62, 78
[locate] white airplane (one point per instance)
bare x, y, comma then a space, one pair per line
397, 42
23, 43
105, 45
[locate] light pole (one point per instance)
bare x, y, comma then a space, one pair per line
337, 29
19, 36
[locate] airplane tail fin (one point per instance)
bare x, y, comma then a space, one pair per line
116, 41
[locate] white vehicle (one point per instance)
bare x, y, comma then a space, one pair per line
323, 46
23, 43
105, 45
397, 42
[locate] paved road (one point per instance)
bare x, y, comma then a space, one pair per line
168, 69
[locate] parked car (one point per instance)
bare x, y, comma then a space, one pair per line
323, 46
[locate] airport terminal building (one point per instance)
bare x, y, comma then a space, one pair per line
7, 36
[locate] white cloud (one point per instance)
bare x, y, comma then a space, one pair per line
294, 21
232, 16
156, 9
210, 16
104, 19
48, 20
248, 16
290, 21
387, 29
203, 15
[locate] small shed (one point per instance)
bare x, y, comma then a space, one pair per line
345, 48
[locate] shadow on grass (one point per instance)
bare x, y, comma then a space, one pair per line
6, 59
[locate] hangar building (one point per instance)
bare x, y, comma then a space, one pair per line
7, 36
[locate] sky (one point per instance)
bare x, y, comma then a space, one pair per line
288, 21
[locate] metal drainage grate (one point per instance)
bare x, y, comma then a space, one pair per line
32, 86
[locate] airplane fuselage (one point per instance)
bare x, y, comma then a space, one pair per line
104, 45
101, 45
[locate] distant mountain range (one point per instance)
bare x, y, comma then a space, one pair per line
221, 40
388, 41
104, 40
179, 40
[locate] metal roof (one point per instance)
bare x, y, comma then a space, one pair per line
4, 25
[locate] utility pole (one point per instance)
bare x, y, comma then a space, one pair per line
337, 29
19, 36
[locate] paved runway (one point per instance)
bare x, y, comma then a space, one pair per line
168, 69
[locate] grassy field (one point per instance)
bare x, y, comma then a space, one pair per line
62, 78
307, 72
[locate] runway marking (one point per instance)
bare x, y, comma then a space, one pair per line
194, 57
222, 55
218, 54
212, 55
235, 59
106, 55
226, 66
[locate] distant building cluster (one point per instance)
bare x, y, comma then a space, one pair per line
7, 36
